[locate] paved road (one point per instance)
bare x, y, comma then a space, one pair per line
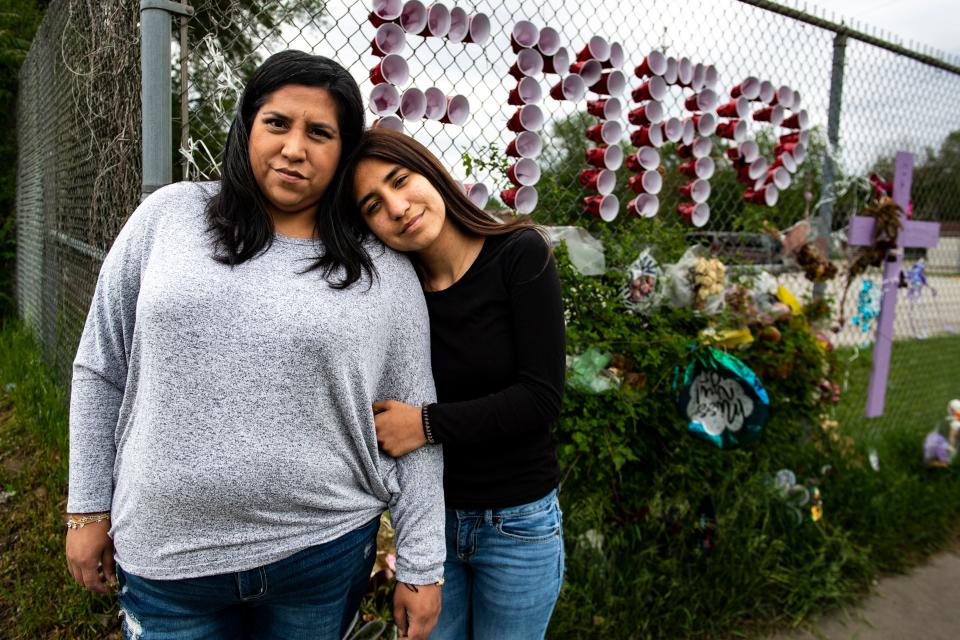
932, 315
922, 604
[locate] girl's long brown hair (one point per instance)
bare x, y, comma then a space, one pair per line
397, 148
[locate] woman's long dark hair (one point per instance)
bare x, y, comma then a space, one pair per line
237, 215
397, 148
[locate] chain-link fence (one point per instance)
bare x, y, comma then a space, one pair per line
79, 125
78, 173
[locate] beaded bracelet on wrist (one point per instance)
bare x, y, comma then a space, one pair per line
425, 419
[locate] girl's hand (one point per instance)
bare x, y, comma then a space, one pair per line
90, 557
399, 427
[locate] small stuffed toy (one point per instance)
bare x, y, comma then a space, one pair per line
953, 421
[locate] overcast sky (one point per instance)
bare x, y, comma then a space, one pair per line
931, 22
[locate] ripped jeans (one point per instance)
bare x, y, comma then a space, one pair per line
311, 594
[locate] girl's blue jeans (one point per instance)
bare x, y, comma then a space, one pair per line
311, 594
503, 572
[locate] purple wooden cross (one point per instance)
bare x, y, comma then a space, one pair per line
914, 234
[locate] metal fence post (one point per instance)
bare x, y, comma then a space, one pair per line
155, 38
827, 195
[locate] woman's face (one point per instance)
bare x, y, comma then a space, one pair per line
401, 207
295, 147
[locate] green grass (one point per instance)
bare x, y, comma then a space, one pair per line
38, 597
651, 581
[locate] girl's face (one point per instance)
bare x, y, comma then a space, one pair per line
294, 148
402, 208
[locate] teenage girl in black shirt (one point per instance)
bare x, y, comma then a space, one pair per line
497, 339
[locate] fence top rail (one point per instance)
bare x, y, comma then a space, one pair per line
842, 29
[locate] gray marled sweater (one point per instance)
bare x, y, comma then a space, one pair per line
224, 415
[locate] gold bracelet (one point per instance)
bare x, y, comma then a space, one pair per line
79, 522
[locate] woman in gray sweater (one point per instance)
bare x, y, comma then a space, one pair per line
222, 443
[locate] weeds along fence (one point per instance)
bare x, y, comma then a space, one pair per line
866, 96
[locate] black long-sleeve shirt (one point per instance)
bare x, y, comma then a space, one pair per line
497, 341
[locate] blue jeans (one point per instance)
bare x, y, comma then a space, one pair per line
503, 572
311, 594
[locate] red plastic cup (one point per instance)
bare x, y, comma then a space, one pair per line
647, 182
783, 96
436, 104
736, 108
749, 89
644, 205
767, 92
527, 144
747, 151
617, 56
589, 70
653, 89
711, 77
706, 100
524, 35
604, 207
438, 21
478, 29
596, 48
797, 136
558, 62
477, 193
384, 99
779, 177
655, 64
603, 181
525, 172
413, 104
702, 168
787, 161
391, 122
693, 213
527, 91
798, 120
392, 69
766, 196
611, 83
705, 123
673, 129
684, 72
610, 157
606, 108
523, 200
549, 41
458, 110
735, 130
645, 159
689, 132
649, 136
698, 190
650, 113
699, 148
571, 88
670, 74
388, 39
413, 16
384, 11
788, 147
607, 133
459, 25
529, 63
773, 115
527, 118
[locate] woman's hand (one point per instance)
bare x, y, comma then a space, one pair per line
416, 609
399, 427
90, 549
